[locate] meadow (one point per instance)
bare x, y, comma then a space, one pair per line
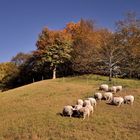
32, 112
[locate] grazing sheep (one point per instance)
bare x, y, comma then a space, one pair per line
103, 87
129, 98
86, 102
113, 89
67, 110
98, 96
77, 107
91, 110
108, 96
92, 101
118, 88
117, 101
80, 102
84, 111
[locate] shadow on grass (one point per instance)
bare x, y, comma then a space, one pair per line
111, 103
76, 114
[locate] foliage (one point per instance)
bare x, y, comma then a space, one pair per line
54, 47
109, 55
8, 71
79, 48
84, 36
20, 58
128, 33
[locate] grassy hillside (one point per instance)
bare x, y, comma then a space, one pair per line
32, 112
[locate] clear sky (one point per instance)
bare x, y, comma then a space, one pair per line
21, 21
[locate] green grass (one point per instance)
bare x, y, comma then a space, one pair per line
32, 112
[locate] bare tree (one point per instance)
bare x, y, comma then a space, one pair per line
110, 54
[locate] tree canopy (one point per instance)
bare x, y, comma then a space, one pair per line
79, 48
54, 47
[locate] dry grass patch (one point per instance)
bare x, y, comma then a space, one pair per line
31, 112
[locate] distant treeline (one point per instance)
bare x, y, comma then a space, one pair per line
79, 48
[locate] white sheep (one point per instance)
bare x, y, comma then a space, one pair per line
129, 98
67, 110
86, 102
77, 107
80, 102
84, 111
118, 88
92, 101
91, 109
113, 89
98, 96
103, 87
108, 96
117, 101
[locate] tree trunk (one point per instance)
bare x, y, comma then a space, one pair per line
130, 74
110, 74
110, 68
54, 72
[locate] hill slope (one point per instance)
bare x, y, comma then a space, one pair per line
32, 111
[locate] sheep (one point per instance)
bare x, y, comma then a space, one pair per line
77, 107
129, 98
108, 96
117, 101
91, 110
86, 102
84, 111
118, 88
103, 87
98, 96
80, 102
92, 101
113, 89
67, 110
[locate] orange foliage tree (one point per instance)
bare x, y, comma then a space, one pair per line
53, 47
85, 40
128, 34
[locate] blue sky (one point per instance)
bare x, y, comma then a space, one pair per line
21, 21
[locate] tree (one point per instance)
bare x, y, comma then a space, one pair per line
109, 54
53, 47
84, 35
128, 34
20, 58
8, 71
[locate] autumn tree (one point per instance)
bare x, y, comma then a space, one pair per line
8, 71
84, 36
128, 34
53, 47
20, 58
109, 54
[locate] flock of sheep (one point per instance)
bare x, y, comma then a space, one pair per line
86, 107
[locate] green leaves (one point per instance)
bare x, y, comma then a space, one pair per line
54, 47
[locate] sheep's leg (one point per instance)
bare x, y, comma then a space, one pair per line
109, 99
88, 114
119, 104
84, 116
91, 112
